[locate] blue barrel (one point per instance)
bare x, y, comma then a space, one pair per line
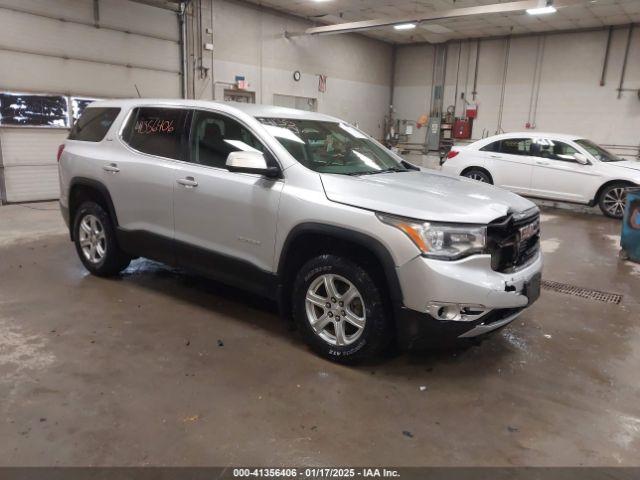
630, 239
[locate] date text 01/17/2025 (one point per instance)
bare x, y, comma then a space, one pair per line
315, 473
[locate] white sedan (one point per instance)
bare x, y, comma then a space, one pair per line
549, 166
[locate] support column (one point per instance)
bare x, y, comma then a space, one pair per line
199, 50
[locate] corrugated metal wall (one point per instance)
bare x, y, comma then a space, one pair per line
55, 46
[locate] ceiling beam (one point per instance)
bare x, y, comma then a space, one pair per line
495, 8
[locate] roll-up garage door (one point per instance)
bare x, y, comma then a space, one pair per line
103, 49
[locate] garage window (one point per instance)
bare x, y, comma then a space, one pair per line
94, 124
157, 131
17, 109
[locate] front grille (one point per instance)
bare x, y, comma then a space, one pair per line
505, 243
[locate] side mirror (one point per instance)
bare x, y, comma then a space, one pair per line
251, 162
581, 158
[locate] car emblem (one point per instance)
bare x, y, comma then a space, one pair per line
529, 231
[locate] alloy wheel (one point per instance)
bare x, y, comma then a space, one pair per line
335, 309
477, 176
93, 240
614, 201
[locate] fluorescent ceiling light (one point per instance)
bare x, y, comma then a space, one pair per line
405, 26
541, 10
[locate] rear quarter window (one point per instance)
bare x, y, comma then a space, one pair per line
93, 124
157, 131
492, 147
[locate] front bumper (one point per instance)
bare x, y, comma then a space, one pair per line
417, 330
468, 281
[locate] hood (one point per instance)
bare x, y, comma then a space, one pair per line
629, 164
424, 196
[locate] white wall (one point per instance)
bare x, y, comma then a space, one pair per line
250, 41
413, 83
570, 99
100, 62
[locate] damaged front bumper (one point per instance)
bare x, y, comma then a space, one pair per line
484, 300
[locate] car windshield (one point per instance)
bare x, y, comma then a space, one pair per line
331, 147
597, 151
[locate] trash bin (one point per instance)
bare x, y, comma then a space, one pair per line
630, 239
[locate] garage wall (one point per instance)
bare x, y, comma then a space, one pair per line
135, 45
570, 98
413, 84
250, 41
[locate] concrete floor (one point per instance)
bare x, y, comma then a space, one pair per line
163, 368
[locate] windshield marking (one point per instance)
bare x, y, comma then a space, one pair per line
281, 132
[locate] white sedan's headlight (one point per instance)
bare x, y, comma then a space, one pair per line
440, 240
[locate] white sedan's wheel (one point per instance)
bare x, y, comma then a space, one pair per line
477, 175
613, 200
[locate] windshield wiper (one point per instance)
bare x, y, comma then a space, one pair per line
385, 170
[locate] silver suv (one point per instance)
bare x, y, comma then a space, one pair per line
358, 246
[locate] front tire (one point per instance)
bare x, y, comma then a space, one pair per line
478, 175
340, 309
613, 199
95, 240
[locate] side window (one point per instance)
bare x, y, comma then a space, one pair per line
555, 150
516, 146
93, 124
157, 131
215, 136
492, 147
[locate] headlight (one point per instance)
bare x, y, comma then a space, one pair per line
438, 240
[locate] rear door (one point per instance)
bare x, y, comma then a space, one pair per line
510, 162
225, 222
141, 179
557, 175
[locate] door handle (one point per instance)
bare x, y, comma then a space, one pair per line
495, 156
111, 168
541, 162
188, 182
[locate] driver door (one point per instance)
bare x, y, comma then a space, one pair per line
225, 222
557, 174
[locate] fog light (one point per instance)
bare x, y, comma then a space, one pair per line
455, 312
452, 312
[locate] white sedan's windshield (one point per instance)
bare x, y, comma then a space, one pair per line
331, 147
597, 151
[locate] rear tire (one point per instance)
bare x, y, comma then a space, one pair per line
478, 175
340, 309
612, 200
95, 240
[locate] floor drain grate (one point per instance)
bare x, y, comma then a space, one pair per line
582, 292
